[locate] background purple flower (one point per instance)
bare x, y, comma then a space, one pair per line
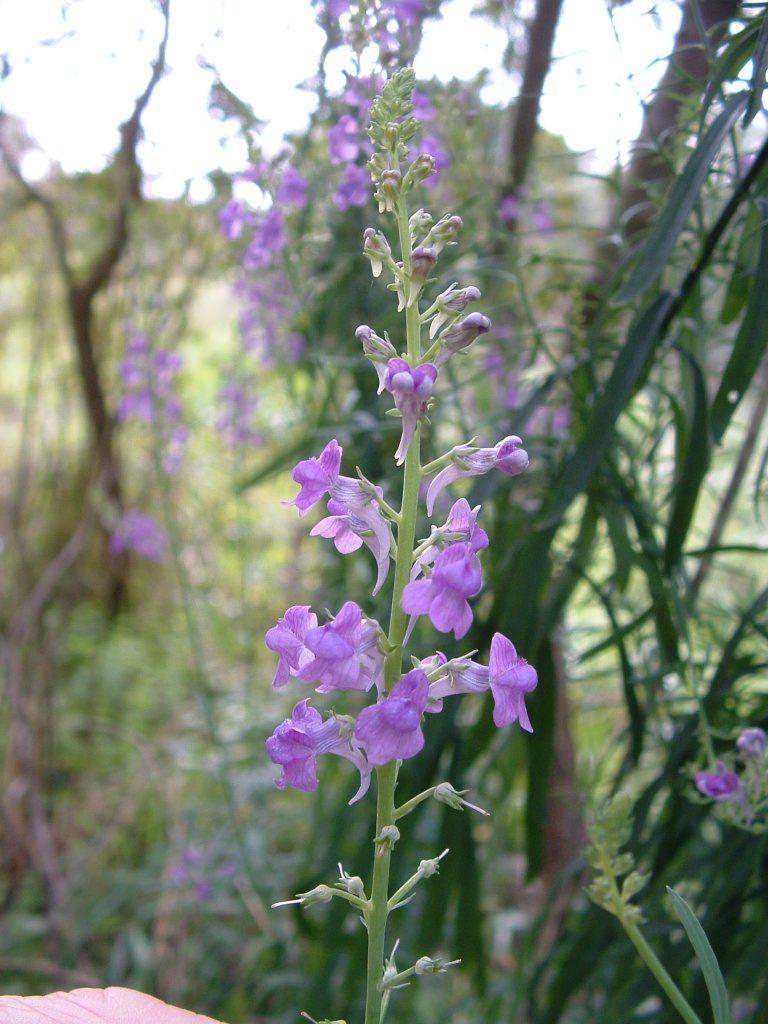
293, 188
344, 140
139, 533
510, 678
354, 188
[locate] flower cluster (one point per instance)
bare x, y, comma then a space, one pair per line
139, 533
435, 578
149, 393
743, 795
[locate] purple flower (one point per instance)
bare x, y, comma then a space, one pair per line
720, 785
139, 533
345, 653
349, 532
287, 638
460, 526
510, 208
233, 218
459, 675
391, 729
344, 140
466, 460
411, 388
511, 678
407, 12
422, 107
443, 596
316, 476
542, 219
354, 188
238, 404
752, 742
297, 742
293, 188
337, 7
360, 91
461, 335
269, 239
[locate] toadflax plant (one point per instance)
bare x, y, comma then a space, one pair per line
436, 578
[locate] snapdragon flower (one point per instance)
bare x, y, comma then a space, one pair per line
443, 596
460, 526
391, 729
316, 476
345, 653
509, 677
296, 744
723, 784
508, 455
411, 387
349, 532
287, 640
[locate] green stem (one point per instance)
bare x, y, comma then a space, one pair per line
659, 972
386, 776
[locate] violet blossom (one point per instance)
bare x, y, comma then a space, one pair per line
456, 576
233, 218
411, 388
354, 188
337, 7
391, 729
238, 404
269, 240
316, 476
508, 455
752, 742
406, 12
296, 744
349, 532
460, 526
344, 140
293, 188
287, 638
510, 208
510, 679
345, 653
723, 784
422, 107
139, 533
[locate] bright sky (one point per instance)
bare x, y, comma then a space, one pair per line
72, 95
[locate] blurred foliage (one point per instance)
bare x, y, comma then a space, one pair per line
634, 374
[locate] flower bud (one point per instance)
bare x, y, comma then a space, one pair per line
388, 191
376, 248
450, 302
461, 335
423, 259
752, 743
378, 350
432, 965
419, 223
320, 894
386, 839
423, 167
444, 232
446, 794
511, 457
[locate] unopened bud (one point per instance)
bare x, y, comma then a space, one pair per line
419, 223
376, 248
444, 232
388, 191
450, 302
461, 335
423, 167
446, 794
386, 839
752, 742
378, 350
432, 965
423, 259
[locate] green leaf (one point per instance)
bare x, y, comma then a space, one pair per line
718, 995
760, 66
694, 467
739, 50
750, 343
662, 237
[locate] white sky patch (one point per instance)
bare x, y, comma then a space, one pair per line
73, 93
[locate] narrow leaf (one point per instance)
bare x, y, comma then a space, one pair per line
750, 343
718, 996
759, 66
682, 199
